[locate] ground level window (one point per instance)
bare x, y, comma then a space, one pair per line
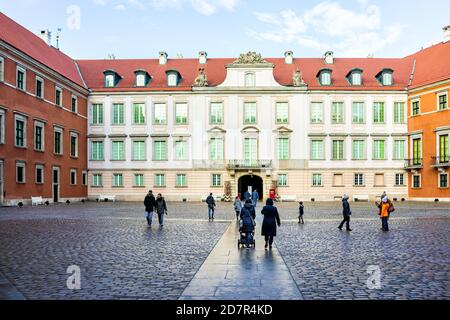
181, 180
317, 180
416, 181
160, 180
216, 180
282, 180
399, 179
73, 177
139, 180
359, 179
97, 180
84, 178
20, 172
443, 180
39, 174
117, 180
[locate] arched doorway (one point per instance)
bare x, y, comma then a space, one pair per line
250, 183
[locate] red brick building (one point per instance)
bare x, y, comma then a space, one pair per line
43, 112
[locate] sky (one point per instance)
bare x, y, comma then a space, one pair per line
95, 29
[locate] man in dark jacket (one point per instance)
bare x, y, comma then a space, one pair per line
346, 212
247, 195
149, 203
211, 204
161, 208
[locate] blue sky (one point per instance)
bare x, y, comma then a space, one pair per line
225, 28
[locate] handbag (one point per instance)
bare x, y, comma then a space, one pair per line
391, 209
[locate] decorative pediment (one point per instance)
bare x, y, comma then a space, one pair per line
250, 57
250, 129
216, 130
283, 130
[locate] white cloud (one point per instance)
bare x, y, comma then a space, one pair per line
119, 7
204, 7
350, 32
230, 5
101, 2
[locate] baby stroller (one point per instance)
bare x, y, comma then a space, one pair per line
247, 232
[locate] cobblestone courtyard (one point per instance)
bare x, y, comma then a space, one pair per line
120, 258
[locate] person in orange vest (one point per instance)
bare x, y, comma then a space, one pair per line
386, 207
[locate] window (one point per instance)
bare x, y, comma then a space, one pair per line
216, 149
139, 180
416, 181
359, 179
2, 69
118, 114
417, 151
39, 136
172, 79
216, 180
181, 113
399, 149
317, 150
97, 180
250, 149
378, 112
160, 180
444, 148
2, 126
379, 180
216, 113
58, 141
338, 180
39, 87
73, 144
250, 79
117, 180
338, 150
282, 180
180, 180
386, 78
180, 150
337, 112
442, 101
58, 96
282, 112
317, 180
139, 151
356, 78
378, 150
142, 79
160, 116
97, 114
97, 150
399, 112
316, 112
39, 174
325, 77
250, 112
443, 180
160, 150
415, 107
358, 150
84, 178
20, 131
110, 80
73, 176
74, 104
399, 179
20, 172
283, 148
358, 112
21, 78
118, 150
138, 113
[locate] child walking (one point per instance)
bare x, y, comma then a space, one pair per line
301, 212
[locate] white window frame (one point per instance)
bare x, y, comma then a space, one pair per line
364, 151
439, 180
124, 149
184, 105
164, 107
184, 180
61, 131
135, 177
412, 108
38, 78
420, 181
166, 155
58, 89
383, 104
2, 69
440, 94
249, 80
214, 180
76, 104
398, 180
157, 183
75, 171
254, 106
325, 78
211, 114
113, 108
97, 122
283, 104
133, 144
337, 151
110, 80
285, 181
76, 135
41, 125
218, 152
384, 149
358, 179
311, 150
21, 164
97, 185
185, 150
321, 180
41, 167
24, 71
84, 178
384, 78
2, 126
340, 107
314, 119
403, 115
142, 108
359, 104
394, 156
172, 79
114, 176
140, 79
24, 120
356, 75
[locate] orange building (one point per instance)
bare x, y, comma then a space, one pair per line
43, 112
429, 123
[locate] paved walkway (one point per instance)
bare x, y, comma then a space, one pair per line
8, 291
230, 273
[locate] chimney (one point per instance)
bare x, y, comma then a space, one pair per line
162, 57
46, 36
288, 57
329, 57
446, 30
202, 57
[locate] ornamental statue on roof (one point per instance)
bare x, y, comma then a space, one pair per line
202, 79
250, 57
297, 79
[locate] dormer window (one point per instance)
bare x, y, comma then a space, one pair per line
324, 77
142, 78
385, 77
249, 79
112, 78
173, 78
354, 77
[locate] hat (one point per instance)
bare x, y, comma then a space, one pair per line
385, 199
345, 196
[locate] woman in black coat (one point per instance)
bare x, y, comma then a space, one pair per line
248, 216
270, 222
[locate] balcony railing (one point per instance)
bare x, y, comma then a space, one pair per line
416, 163
249, 164
440, 162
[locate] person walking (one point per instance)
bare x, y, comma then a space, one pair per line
150, 204
237, 204
301, 212
247, 195
386, 207
161, 208
211, 204
255, 197
248, 216
270, 222
346, 212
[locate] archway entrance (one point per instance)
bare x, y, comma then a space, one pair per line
250, 183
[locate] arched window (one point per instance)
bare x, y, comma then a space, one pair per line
109, 80
387, 79
325, 77
249, 79
173, 78
140, 80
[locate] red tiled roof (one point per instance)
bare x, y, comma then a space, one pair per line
215, 69
17, 36
432, 65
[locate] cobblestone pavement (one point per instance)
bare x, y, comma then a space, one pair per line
120, 258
